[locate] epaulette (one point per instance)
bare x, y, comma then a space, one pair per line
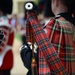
51, 21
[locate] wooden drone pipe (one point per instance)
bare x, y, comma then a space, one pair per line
29, 7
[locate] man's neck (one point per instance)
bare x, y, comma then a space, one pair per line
61, 10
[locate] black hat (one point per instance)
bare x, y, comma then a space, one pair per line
34, 7
71, 6
47, 9
6, 6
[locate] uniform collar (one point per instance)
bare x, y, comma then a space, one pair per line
67, 16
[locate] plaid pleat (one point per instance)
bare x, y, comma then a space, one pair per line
49, 62
28, 32
61, 36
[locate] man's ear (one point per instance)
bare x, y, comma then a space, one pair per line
57, 2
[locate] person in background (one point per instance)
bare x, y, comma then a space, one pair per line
22, 29
13, 21
6, 54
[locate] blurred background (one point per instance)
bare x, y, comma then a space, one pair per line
17, 21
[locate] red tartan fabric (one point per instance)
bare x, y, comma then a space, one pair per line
49, 62
62, 37
28, 32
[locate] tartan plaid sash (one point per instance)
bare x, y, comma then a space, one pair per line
46, 50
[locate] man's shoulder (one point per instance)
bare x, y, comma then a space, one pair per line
50, 22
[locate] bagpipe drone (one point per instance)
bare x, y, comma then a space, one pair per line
29, 6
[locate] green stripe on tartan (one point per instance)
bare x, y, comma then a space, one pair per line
54, 28
68, 59
68, 48
67, 31
62, 21
65, 23
64, 30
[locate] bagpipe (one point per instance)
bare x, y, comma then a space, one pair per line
36, 33
30, 38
